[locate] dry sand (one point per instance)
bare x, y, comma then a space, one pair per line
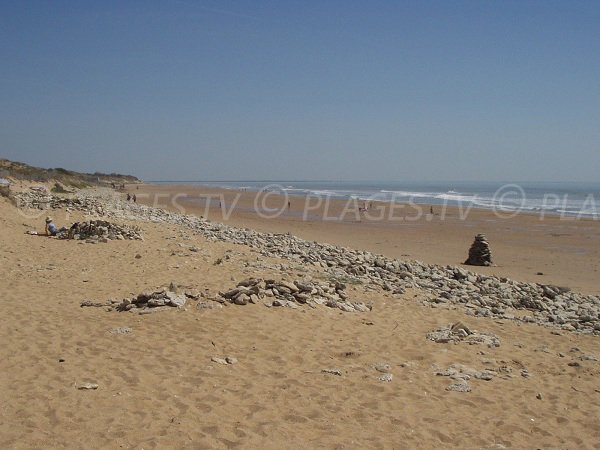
159, 389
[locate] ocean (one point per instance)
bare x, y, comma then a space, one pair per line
569, 199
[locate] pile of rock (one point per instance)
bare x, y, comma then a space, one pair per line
293, 294
460, 376
479, 253
459, 332
152, 301
43, 200
104, 231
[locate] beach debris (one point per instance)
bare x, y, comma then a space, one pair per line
336, 372
293, 294
87, 386
479, 253
458, 332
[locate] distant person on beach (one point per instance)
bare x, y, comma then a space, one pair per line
134, 198
52, 229
431, 210
289, 204
128, 197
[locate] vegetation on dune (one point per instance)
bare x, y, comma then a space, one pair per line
62, 177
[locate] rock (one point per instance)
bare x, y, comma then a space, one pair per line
484, 375
382, 367
87, 386
241, 299
177, 301
154, 302
208, 305
337, 372
445, 335
219, 360
228, 360
121, 330
460, 386
386, 377
458, 327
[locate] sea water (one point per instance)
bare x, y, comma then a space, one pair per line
569, 199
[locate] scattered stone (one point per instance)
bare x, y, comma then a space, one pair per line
121, 330
90, 303
227, 360
87, 386
386, 377
208, 305
382, 367
539, 396
219, 360
459, 386
293, 294
460, 333
337, 372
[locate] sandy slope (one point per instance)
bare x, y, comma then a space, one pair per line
159, 389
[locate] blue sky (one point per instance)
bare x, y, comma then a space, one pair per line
398, 90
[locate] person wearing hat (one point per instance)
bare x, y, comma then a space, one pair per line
51, 229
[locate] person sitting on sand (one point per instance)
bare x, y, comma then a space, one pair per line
51, 229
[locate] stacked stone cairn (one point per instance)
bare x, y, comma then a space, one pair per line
479, 253
104, 231
293, 294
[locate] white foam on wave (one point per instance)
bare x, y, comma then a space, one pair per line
455, 196
408, 194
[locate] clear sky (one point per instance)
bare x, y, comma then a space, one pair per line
339, 90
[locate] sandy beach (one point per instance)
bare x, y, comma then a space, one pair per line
157, 386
